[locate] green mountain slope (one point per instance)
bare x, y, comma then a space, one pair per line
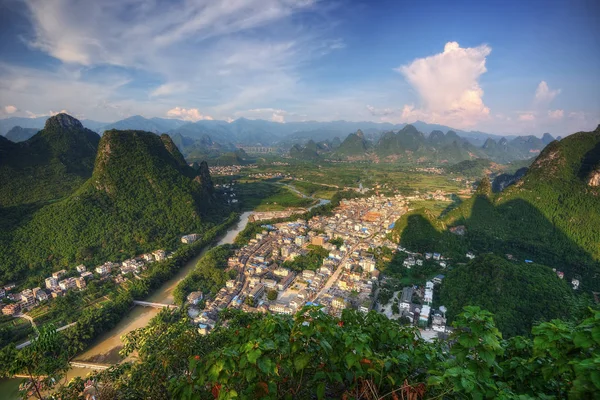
140, 197
355, 145
49, 165
550, 216
518, 297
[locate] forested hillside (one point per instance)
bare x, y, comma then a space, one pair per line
49, 165
141, 196
518, 296
550, 216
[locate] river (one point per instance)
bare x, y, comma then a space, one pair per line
105, 349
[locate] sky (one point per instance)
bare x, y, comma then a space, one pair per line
508, 67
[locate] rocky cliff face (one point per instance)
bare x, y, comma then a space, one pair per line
594, 178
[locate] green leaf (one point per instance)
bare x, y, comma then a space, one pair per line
467, 384
321, 390
301, 361
253, 355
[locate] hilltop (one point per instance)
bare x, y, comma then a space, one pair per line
49, 165
141, 196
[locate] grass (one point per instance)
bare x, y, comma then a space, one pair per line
269, 196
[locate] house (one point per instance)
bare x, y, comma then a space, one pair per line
308, 274
187, 239
27, 298
367, 264
280, 308
40, 294
438, 323
67, 284
80, 268
230, 284
424, 316
428, 298
2, 293
438, 279
365, 306
437, 256
285, 282
428, 256
104, 269
470, 255
159, 255
406, 297
419, 262
300, 240
87, 275
148, 257
195, 297
58, 274
269, 283
51, 282
575, 283
258, 291
80, 283
11, 309
339, 303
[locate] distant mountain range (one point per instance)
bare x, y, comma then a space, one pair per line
254, 132
411, 145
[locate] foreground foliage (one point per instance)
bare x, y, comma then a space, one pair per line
360, 356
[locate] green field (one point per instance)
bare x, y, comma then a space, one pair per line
269, 196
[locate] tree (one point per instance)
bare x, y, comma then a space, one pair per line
45, 360
272, 295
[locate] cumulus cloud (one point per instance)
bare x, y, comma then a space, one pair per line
10, 109
544, 94
448, 86
556, 114
187, 114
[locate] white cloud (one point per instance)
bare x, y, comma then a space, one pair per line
448, 86
556, 114
168, 89
48, 114
274, 114
10, 109
543, 94
527, 116
187, 114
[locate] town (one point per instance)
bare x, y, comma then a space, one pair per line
327, 262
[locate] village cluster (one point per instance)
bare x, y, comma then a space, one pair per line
346, 276
60, 282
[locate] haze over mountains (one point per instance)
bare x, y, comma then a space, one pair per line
417, 142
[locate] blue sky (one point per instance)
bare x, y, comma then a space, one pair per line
497, 66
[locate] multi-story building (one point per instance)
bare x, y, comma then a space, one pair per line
51, 282
190, 238
159, 255
258, 291
58, 274
11, 309
27, 298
